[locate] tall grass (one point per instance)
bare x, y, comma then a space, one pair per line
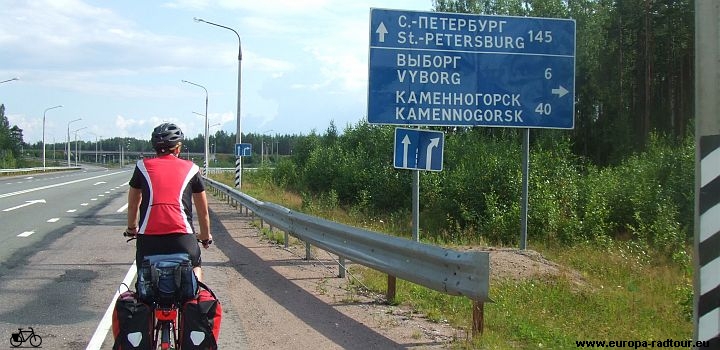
625, 228
626, 293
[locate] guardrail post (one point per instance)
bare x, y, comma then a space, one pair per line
341, 272
287, 240
392, 282
307, 251
478, 317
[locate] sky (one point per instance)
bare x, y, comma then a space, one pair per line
119, 65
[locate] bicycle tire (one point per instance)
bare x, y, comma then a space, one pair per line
14, 343
35, 340
165, 336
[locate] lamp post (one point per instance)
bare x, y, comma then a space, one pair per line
68, 140
214, 141
238, 135
207, 144
43, 131
262, 147
76, 144
5, 81
96, 145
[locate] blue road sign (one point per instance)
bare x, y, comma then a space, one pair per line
451, 69
417, 149
243, 149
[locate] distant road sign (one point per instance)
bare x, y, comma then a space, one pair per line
243, 149
451, 69
417, 149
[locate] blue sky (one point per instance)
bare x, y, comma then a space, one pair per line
118, 65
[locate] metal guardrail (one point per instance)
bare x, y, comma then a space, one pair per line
22, 171
444, 270
212, 170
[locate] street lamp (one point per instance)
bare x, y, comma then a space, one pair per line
207, 144
238, 136
262, 146
43, 135
96, 145
214, 141
68, 140
76, 144
5, 81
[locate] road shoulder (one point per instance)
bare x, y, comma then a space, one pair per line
283, 301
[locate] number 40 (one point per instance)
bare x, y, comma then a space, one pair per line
543, 109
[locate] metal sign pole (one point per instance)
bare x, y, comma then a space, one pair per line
525, 180
416, 206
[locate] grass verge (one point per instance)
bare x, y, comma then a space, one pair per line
628, 293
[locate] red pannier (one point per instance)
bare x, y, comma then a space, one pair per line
200, 321
132, 323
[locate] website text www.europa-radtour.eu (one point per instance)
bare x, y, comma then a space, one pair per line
640, 344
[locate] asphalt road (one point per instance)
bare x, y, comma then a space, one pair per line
63, 257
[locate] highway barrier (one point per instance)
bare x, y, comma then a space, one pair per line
461, 273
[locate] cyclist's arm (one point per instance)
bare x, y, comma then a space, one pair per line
201, 207
134, 198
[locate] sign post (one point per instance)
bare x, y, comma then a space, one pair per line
452, 69
417, 150
707, 175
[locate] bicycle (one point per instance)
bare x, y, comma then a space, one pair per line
165, 314
18, 338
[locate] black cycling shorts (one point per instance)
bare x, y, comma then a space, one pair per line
168, 244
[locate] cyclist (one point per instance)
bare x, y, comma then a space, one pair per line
162, 190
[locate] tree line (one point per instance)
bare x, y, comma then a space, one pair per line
634, 67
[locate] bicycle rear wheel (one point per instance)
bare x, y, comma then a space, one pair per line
35, 340
15, 343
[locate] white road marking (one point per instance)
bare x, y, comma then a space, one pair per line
101, 195
71, 211
53, 220
104, 327
55, 185
84, 204
26, 233
93, 199
122, 209
26, 204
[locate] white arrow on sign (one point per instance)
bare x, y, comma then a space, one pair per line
26, 204
561, 91
406, 144
433, 143
382, 31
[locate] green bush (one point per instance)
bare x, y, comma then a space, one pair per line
476, 198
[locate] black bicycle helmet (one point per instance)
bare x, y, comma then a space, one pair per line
165, 137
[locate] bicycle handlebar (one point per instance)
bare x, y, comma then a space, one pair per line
205, 242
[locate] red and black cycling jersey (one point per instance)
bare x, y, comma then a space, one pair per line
167, 185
